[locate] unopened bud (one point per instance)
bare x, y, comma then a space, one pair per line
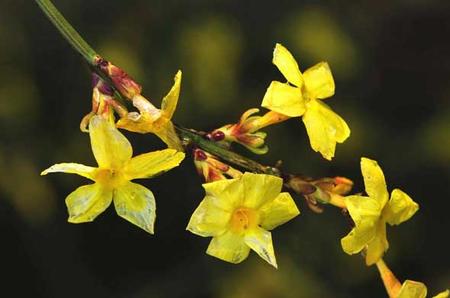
122, 81
299, 185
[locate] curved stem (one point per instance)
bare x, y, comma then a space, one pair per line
69, 33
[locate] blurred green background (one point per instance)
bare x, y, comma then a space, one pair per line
391, 63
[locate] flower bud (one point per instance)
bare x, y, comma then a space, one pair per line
122, 81
211, 168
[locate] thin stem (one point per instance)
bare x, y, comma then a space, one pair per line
69, 33
190, 137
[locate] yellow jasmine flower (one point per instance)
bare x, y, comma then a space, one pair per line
301, 97
370, 214
153, 120
409, 288
238, 213
116, 168
416, 289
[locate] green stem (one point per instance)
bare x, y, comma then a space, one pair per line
69, 33
190, 137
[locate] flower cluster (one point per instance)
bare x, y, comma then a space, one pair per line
242, 204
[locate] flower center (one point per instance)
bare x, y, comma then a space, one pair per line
109, 178
243, 219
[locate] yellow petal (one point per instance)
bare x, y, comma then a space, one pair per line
378, 246
229, 247
399, 208
274, 213
260, 189
284, 99
169, 102
136, 204
153, 163
325, 128
110, 147
135, 122
444, 294
287, 65
365, 213
260, 241
87, 202
168, 135
226, 194
319, 81
72, 168
374, 181
208, 219
412, 289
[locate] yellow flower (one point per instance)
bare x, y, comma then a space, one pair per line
416, 289
409, 288
238, 213
300, 97
370, 214
112, 178
153, 120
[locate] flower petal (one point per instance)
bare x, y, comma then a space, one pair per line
208, 219
325, 128
136, 204
365, 213
443, 294
282, 209
229, 247
399, 208
378, 246
287, 65
87, 202
168, 135
152, 163
319, 82
374, 181
284, 99
260, 189
169, 102
260, 241
226, 194
412, 289
110, 147
72, 168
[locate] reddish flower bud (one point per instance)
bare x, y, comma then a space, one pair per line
122, 81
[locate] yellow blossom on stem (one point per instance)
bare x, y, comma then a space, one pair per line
112, 178
153, 120
409, 288
301, 97
238, 214
370, 214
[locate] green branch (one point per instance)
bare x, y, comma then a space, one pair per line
190, 137
69, 33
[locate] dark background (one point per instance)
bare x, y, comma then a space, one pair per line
391, 64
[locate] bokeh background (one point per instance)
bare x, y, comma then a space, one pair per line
391, 63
